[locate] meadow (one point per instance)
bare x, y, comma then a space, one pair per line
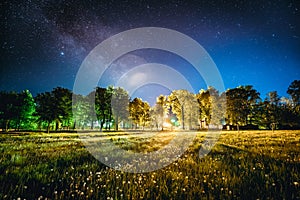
244, 165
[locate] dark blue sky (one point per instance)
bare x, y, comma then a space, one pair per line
43, 43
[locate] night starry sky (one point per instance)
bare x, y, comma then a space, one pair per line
43, 43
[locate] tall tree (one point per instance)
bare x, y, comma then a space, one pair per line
273, 98
103, 105
80, 111
63, 106
45, 104
25, 110
139, 112
160, 110
184, 105
8, 108
240, 103
204, 102
120, 106
211, 106
218, 107
272, 110
54, 106
91, 108
294, 92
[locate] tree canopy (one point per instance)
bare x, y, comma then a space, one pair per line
111, 107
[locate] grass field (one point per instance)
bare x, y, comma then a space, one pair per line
245, 165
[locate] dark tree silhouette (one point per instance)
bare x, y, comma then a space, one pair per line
63, 106
55, 106
45, 108
8, 108
103, 105
240, 103
294, 92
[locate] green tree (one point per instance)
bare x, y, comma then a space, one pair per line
25, 110
45, 108
90, 100
120, 106
203, 98
240, 103
211, 106
80, 111
54, 106
139, 112
184, 105
63, 106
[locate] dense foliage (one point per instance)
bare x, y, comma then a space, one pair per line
111, 108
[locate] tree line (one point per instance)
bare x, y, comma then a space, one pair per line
112, 109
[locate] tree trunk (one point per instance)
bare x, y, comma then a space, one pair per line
273, 125
101, 124
182, 116
56, 125
92, 125
6, 125
74, 126
190, 122
109, 121
18, 125
48, 127
117, 123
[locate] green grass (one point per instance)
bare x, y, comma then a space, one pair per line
245, 165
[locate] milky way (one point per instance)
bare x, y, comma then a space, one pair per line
44, 42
